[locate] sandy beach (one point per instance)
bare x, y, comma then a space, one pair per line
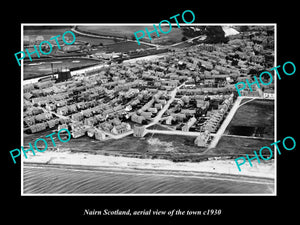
264, 169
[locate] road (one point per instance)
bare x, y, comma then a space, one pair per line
118, 136
164, 109
175, 132
155, 120
225, 123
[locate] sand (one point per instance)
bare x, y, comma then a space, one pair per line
264, 169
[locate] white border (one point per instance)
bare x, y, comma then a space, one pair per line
147, 24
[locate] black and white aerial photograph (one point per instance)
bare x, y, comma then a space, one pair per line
150, 113
148, 109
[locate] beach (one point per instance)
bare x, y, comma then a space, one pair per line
263, 170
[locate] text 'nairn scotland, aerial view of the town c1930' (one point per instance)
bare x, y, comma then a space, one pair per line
159, 117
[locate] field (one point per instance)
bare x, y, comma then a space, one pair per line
229, 145
173, 147
255, 121
38, 68
257, 114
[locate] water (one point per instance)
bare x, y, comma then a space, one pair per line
51, 180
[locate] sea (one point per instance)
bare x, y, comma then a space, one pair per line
39, 179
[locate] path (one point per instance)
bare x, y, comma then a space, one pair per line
164, 109
224, 125
175, 132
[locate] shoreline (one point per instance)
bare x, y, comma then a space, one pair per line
264, 170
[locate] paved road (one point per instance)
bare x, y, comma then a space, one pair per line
175, 132
225, 123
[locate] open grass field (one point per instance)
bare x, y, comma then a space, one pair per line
258, 114
251, 119
38, 68
239, 146
173, 147
51, 31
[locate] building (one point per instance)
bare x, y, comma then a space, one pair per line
99, 135
188, 125
137, 119
38, 127
121, 128
202, 139
138, 131
269, 94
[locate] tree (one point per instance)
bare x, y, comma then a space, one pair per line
183, 38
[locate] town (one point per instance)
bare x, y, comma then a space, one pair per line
188, 91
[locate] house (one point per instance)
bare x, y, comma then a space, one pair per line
61, 103
153, 110
43, 117
169, 120
38, 127
62, 110
29, 120
116, 121
87, 113
72, 108
77, 116
188, 111
202, 139
27, 95
99, 117
99, 135
80, 105
137, 119
146, 115
79, 132
62, 126
91, 132
179, 116
121, 128
106, 126
75, 125
52, 123
190, 123
158, 106
50, 106
90, 121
